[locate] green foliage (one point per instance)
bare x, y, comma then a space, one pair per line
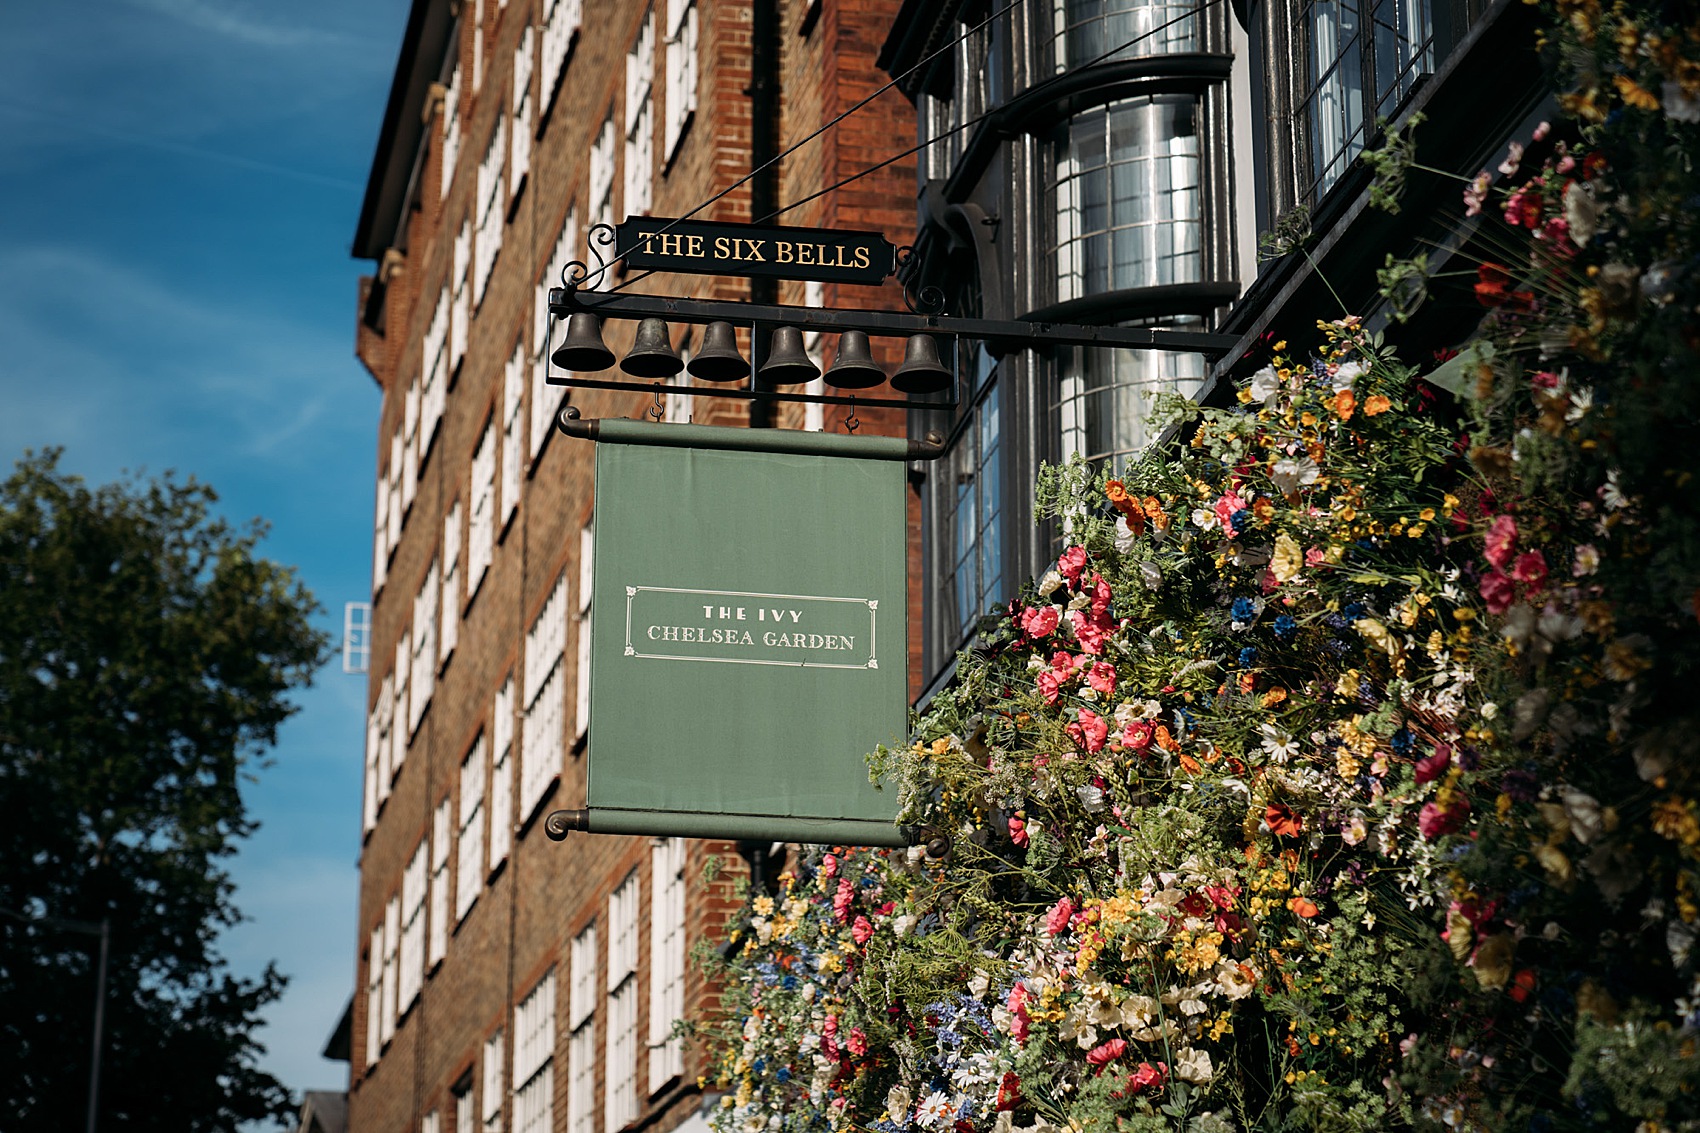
146, 657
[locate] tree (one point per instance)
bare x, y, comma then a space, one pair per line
146, 657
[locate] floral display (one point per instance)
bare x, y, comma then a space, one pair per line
1343, 771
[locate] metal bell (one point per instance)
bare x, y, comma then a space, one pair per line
652, 354
921, 372
854, 367
583, 349
788, 364
719, 360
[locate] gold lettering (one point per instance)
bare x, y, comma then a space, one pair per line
693, 245
782, 251
806, 253
861, 257
755, 250
722, 248
646, 237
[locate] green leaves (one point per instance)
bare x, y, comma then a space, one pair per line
146, 657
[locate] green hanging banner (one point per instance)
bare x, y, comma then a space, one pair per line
748, 639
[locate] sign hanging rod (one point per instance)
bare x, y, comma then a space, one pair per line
1000, 336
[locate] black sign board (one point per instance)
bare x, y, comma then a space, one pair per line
710, 248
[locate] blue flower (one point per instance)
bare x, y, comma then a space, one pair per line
1285, 627
1239, 521
1402, 741
1244, 610
784, 1074
1248, 657
1354, 611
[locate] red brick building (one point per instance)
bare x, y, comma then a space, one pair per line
504, 981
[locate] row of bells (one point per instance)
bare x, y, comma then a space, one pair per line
652, 356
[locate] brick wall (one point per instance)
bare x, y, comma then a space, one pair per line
527, 913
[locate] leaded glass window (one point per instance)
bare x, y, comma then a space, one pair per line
1126, 192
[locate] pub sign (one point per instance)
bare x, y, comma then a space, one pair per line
748, 637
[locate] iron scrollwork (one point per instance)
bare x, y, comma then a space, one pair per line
576, 274
921, 299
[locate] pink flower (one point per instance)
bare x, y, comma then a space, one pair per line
1105, 1053
1501, 541
1102, 677
861, 930
1148, 1077
1018, 832
1091, 732
1137, 734
1544, 379
841, 900
858, 1043
1072, 562
1019, 1020
1090, 632
1497, 591
1431, 768
1225, 509
1039, 621
1100, 597
1512, 160
829, 866
1049, 686
1064, 664
1057, 919
1475, 193
1530, 569
1435, 820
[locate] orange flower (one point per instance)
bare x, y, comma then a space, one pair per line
1165, 740
1127, 504
1190, 765
1303, 906
1282, 821
1345, 404
1376, 405
1155, 512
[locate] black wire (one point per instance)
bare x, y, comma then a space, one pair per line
1041, 85
746, 178
913, 150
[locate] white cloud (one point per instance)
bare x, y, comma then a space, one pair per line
238, 22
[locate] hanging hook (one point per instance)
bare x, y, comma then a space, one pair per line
659, 409
851, 421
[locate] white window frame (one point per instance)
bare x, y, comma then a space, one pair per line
519, 144
414, 882
513, 462
449, 631
451, 132
620, 1100
392, 968
411, 405
399, 734
460, 311
545, 398
492, 210
602, 174
534, 1058
680, 61
640, 119
581, 1021
542, 743
375, 995
469, 873
502, 776
423, 663
561, 22
495, 1085
442, 835
666, 960
481, 517
586, 590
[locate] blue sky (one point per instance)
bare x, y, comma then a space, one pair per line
180, 181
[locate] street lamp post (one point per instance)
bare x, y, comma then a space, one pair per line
103, 930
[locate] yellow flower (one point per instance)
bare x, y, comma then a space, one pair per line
1288, 558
